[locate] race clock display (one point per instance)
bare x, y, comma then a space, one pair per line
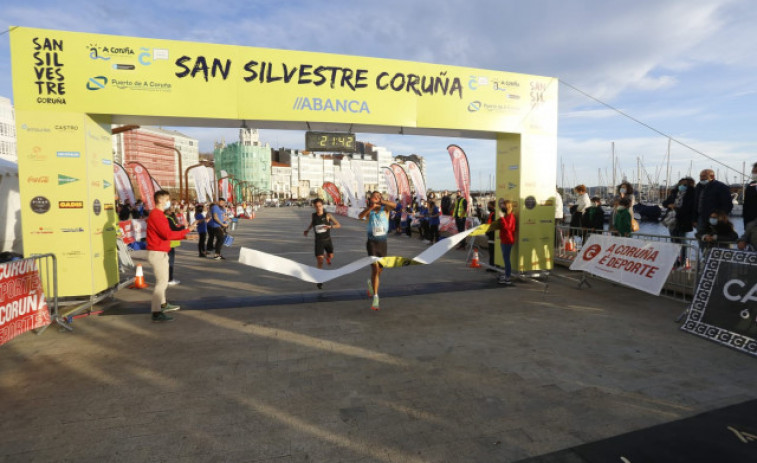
330, 141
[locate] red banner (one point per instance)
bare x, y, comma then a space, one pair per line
145, 185
127, 231
22, 301
391, 183
333, 191
403, 184
123, 185
462, 171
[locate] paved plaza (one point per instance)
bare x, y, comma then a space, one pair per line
260, 367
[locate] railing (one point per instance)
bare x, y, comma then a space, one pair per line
681, 282
47, 266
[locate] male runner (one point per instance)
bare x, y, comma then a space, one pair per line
377, 212
322, 222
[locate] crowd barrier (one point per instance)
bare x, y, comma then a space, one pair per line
681, 282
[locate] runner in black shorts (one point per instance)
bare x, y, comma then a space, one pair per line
322, 222
377, 213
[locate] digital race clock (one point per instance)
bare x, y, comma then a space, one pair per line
330, 141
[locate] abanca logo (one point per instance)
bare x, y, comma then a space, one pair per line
329, 104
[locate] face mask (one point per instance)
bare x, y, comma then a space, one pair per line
713, 221
166, 206
620, 208
681, 187
623, 191
504, 210
754, 177
704, 182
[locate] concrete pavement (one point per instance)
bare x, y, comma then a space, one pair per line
260, 367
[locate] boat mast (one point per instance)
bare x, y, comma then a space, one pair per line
667, 171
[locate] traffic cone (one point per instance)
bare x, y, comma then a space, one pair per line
139, 279
474, 262
688, 264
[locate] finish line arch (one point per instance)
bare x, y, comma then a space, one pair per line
69, 87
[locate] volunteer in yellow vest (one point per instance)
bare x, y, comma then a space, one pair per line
460, 213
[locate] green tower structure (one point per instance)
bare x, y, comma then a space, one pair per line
248, 162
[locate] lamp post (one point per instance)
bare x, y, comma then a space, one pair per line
123, 128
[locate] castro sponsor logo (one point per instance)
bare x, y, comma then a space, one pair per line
72, 230
66, 128
332, 105
70, 204
68, 154
39, 179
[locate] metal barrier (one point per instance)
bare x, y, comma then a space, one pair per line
47, 266
681, 282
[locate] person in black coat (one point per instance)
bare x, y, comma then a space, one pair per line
681, 202
750, 198
593, 217
711, 196
719, 232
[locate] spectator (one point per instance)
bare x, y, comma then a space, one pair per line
625, 190
159, 235
125, 212
749, 238
491, 218
446, 203
460, 213
218, 225
433, 222
582, 203
594, 216
718, 232
622, 220
559, 217
711, 195
174, 222
201, 219
680, 204
507, 225
750, 198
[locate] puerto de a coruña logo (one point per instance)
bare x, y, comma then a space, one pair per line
474, 106
97, 83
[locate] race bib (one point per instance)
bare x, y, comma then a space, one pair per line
378, 229
321, 228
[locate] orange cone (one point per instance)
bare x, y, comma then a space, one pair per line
139, 279
474, 262
688, 264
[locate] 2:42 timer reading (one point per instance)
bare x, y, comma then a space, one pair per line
326, 141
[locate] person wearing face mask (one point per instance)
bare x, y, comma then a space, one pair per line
625, 190
750, 198
506, 226
680, 204
159, 236
719, 231
491, 207
711, 195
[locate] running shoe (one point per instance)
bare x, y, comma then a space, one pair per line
168, 307
319, 285
375, 303
328, 261
159, 317
173, 282
370, 289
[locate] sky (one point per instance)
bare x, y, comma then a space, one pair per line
632, 74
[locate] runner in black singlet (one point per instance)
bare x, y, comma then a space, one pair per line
322, 222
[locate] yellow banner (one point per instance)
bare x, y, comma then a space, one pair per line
104, 74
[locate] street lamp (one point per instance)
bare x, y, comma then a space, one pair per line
123, 128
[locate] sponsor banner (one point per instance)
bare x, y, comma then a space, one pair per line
22, 300
224, 187
127, 231
417, 177
106, 74
332, 191
155, 185
123, 185
145, 185
461, 171
642, 265
724, 309
348, 183
391, 183
140, 229
210, 184
403, 185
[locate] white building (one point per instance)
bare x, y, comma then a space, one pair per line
281, 180
7, 130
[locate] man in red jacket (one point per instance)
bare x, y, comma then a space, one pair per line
159, 236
